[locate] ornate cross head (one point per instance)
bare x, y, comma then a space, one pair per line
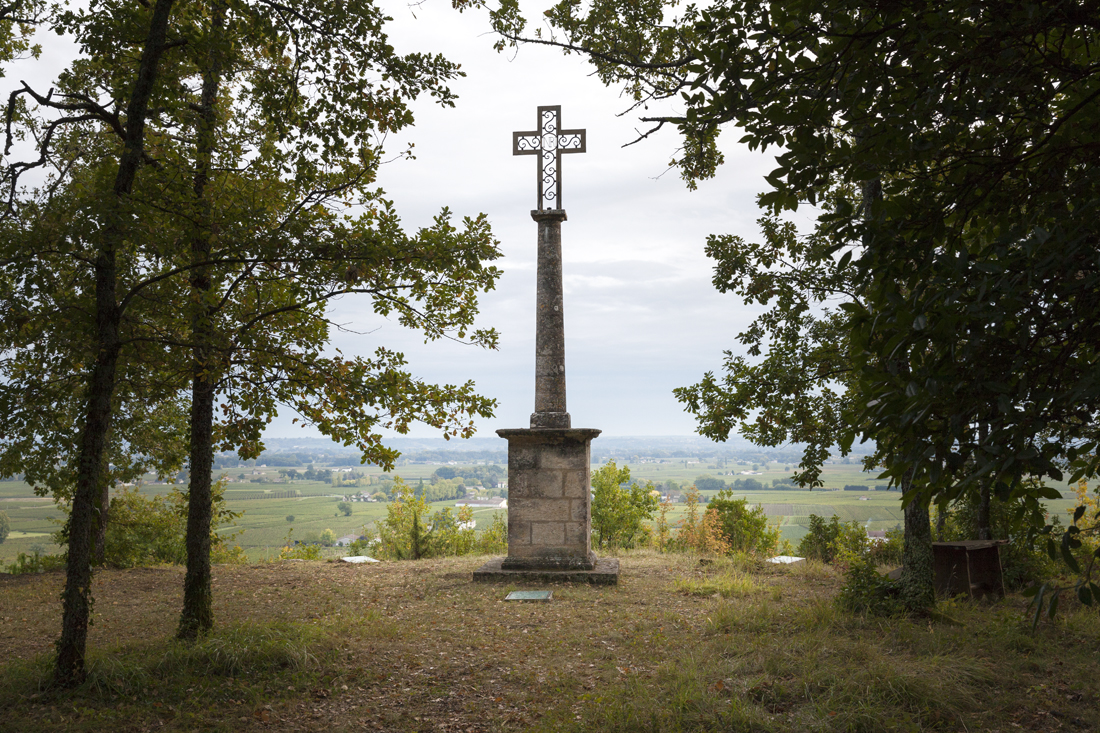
549, 142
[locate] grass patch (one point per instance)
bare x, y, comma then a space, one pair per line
730, 584
233, 672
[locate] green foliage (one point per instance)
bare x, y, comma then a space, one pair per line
36, 562
865, 590
5, 527
328, 538
1023, 560
817, 543
494, 539
151, 530
411, 532
619, 507
888, 550
289, 518
828, 541
745, 529
709, 483
344, 507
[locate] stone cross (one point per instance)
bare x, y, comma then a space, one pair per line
549, 464
549, 142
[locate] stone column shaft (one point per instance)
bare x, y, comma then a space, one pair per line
550, 410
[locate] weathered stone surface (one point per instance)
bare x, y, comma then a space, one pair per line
536, 484
519, 533
575, 532
548, 534
577, 484
522, 458
604, 572
546, 528
540, 510
550, 409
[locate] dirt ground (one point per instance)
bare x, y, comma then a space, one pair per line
424, 647
410, 646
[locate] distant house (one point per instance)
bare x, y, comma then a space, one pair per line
347, 540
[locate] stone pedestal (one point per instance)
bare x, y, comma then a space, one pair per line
549, 502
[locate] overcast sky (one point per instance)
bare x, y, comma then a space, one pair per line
641, 315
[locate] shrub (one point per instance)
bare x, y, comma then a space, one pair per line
409, 532
887, 551
5, 527
619, 508
328, 538
817, 541
705, 535
289, 517
35, 563
152, 530
745, 529
494, 540
867, 591
300, 551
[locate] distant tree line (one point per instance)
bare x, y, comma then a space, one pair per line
485, 475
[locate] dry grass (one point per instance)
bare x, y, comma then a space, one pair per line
418, 647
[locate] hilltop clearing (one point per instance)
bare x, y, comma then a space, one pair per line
683, 643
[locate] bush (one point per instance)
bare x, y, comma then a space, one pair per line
703, 536
866, 591
300, 551
494, 540
825, 539
745, 529
35, 563
888, 550
328, 538
344, 508
619, 508
145, 530
5, 527
289, 517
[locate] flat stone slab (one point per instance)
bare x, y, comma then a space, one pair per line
358, 559
606, 572
784, 560
530, 596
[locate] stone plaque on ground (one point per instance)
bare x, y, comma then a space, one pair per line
533, 596
549, 479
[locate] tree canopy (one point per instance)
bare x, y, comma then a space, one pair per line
206, 188
955, 140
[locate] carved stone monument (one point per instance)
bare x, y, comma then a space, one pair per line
549, 517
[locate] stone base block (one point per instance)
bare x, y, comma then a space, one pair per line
606, 572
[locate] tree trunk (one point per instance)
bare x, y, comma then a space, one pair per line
197, 616
76, 598
918, 572
982, 520
102, 512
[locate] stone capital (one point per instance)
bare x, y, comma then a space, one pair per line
548, 215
